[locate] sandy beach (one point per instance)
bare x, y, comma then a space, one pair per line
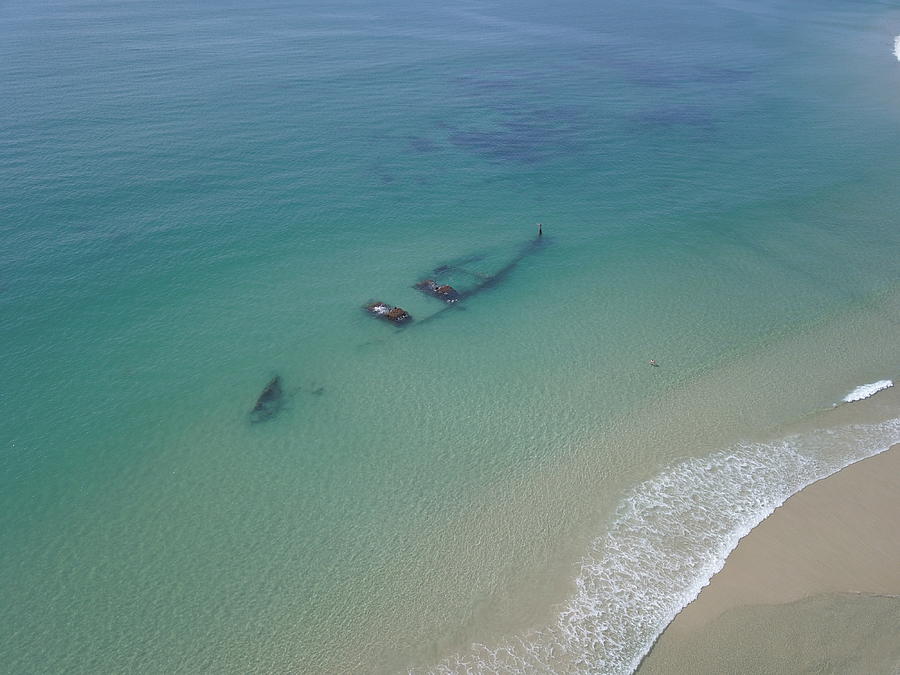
814, 588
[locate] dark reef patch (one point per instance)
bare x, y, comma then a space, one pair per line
526, 137
694, 117
422, 144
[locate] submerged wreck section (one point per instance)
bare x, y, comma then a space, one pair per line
388, 312
475, 281
469, 276
472, 281
443, 292
269, 402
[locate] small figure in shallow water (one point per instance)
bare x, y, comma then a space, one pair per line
654, 363
540, 229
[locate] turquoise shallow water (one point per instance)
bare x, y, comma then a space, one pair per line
197, 198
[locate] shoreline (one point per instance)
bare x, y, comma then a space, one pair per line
832, 547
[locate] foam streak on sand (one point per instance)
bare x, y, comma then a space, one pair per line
669, 536
866, 390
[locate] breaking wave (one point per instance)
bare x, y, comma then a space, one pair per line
669, 536
897, 47
866, 390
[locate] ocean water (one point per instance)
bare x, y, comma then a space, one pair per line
197, 197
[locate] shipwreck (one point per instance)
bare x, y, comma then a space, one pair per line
388, 312
269, 402
443, 292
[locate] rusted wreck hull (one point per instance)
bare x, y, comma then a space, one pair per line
443, 292
388, 312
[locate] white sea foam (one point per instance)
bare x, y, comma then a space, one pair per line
669, 536
897, 47
867, 390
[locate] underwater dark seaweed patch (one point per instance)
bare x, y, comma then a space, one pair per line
507, 125
527, 137
505, 80
723, 75
673, 116
422, 144
485, 84
657, 74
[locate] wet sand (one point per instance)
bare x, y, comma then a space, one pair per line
814, 588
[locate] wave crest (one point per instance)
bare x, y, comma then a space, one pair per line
866, 390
